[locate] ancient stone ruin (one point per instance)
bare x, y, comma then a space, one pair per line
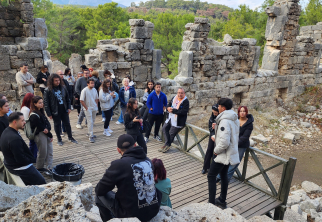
22, 40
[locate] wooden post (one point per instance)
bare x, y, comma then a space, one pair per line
289, 172
186, 134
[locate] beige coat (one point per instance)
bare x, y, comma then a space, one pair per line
23, 86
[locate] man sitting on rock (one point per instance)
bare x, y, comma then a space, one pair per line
18, 158
133, 176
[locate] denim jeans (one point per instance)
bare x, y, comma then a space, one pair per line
232, 168
106, 205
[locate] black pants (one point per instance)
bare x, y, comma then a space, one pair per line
157, 119
62, 117
215, 169
42, 91
108, 114
170, 132
140, 140
209, 154
29, 176
106, 205
144, 111
71, 97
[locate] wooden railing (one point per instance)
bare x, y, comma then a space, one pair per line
280, 194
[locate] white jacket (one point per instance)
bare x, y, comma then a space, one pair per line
106, 100
227, 135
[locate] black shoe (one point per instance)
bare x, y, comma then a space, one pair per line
221, 204
42, 170
204, 171
217, 180
49, 172
60, 143
72, 140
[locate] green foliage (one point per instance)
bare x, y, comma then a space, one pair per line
312, 13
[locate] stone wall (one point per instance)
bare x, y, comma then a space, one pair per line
210, 70
22, 40
134, 56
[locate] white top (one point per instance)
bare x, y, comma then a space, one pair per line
89, 96
126, 95
70, 80
25, 111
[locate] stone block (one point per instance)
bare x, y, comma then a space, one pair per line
123, 65
29, 54
5, 86
185, 63
232, 50
140, 73
148, 44
239, 89
29, 30
183, 81
75, 61
273, 11
256, 58
132, 46
252, 42
33, 43
228, 39
109, 65
39, 62
260, 139
274, 26
27, 16
306, 28
57, 65
92, 60
40, 28
3, 23
289, 138
135, 55
200, 27
27, 7
7, 40
138, 32
270, 58
136, 22
4, 58
149, 25
15, 62
316, 27
310, 187
219, 50
107, 47
156, 63
12, 49
190, 46
104, 42
201, 20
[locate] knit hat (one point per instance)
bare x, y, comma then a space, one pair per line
215, 107
125, 141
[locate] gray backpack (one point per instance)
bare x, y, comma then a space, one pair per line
27, 129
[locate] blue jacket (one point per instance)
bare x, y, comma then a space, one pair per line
156, 103
121, 95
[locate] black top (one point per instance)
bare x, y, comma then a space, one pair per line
245, 131
41, 123
69, 88
181, 113
136, 194
4, 123
132, 128
42, 76
212, 120
55, 98
15, 151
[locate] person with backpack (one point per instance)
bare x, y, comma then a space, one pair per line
106, 97
97, 86
41, 127
18, 157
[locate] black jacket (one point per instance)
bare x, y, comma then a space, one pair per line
15, 151
41, 123
212, 120
116, 87
245, 131
4, 123
132, 128
40, 76
181, 113
69, 89
136, 194
51, 102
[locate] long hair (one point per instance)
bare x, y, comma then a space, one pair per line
67, 71
245, 108
105, 88
130, 109
33, 108
147, 85
51, 78
43, 68
159, 170
27, 100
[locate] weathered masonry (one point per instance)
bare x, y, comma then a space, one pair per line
22, 40
211, 70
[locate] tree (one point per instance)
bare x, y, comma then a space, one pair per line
313, 12
133, 4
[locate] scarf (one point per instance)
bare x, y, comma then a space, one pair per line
176, 105
126, 88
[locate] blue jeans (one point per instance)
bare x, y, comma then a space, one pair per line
33, 148
232, 168
121, 117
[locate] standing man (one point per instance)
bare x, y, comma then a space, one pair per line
226, 150
80, 85
57, 106
177, 109
18, 158
156, 103
25, 81
89, 101
70, 93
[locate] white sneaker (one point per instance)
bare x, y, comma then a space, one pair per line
109, 130
107, 133
103, 120
71, 107
78, 126
118, 123
146, 139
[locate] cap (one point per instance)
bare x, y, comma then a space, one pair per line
125, 141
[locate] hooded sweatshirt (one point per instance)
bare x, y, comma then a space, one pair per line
245, 131
136, 194
227, 135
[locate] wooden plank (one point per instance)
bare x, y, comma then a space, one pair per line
266, 206
265, 209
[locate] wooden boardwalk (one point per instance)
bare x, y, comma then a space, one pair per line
188, 184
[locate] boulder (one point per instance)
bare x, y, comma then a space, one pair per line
263, 218
33, 43
75, 61
311, 187
228, 39
57, 65
85, 192
260, 139
307, 205
296, 208
94, 215
289, 138
306, 124
11, 195
292, 216
40, 28
60, 202
297, 134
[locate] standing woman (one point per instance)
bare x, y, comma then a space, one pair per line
4, 109
246, 127
71, 81
211, 143
133, 123
126, 92
149, 88
25, 110
43, 136
42, 78
106, 97
162, 183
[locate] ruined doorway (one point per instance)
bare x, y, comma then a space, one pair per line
281, 95
237, 99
